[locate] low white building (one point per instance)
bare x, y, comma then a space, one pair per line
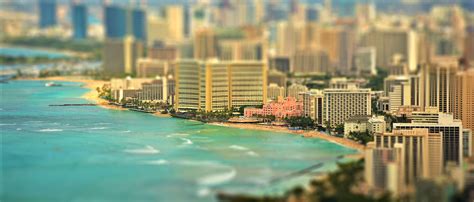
356, 124
361, 124
376, 124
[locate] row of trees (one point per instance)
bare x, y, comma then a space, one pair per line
93, 47
300, 122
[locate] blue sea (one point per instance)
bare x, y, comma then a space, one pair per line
28, 52
95, 154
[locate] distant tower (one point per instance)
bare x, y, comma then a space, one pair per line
294, 6
79, 20
47, 13
327, 5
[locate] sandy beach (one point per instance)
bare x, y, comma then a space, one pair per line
89, 83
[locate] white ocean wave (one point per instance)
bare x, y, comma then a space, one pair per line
157, 162
19, 129
178, 135
98, 128
252, 153
50, 130
237, 147
103, 123
187, 141
218, 178
126, 131
7, 124
146, 150
212, 164
202, 192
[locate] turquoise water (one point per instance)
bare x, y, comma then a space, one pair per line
91, 153
28, 52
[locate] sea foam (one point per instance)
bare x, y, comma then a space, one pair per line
98, 128
157, 162
50, 130
187, 141
237, 147
178, 135
146, 150
216, 179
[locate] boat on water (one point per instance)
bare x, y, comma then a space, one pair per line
52, 84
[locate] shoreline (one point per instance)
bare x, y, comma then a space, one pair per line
88, 83
93, 96
306, 134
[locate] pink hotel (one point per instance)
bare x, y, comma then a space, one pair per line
287, 107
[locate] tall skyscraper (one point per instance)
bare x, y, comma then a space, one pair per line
47, 13
463, 99
313, 105
115, 21
175, 19
139, 24
365, 61
205, 44
307, 61
120, 56
121, 22
79, 21
436, 82
387, 43
157, 29
339, 43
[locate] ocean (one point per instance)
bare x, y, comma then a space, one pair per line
95, 154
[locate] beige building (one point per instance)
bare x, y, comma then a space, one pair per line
120, 56
357, 124
463, 98
187, 75
307, 61
423, 150
449, 129
275, 91
399, 96
365, 61
161, 51
388, 42
376, 124
128, 83
147, 67
384, 168
344, 83
215, 86
241, 49
205, 44
175, 21
295, 91
277, 77
435, 83
161, 89
157, 29
339, 44
342, 104
313, 105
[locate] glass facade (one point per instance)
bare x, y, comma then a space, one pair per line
47, 13
79, 21
115, 22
